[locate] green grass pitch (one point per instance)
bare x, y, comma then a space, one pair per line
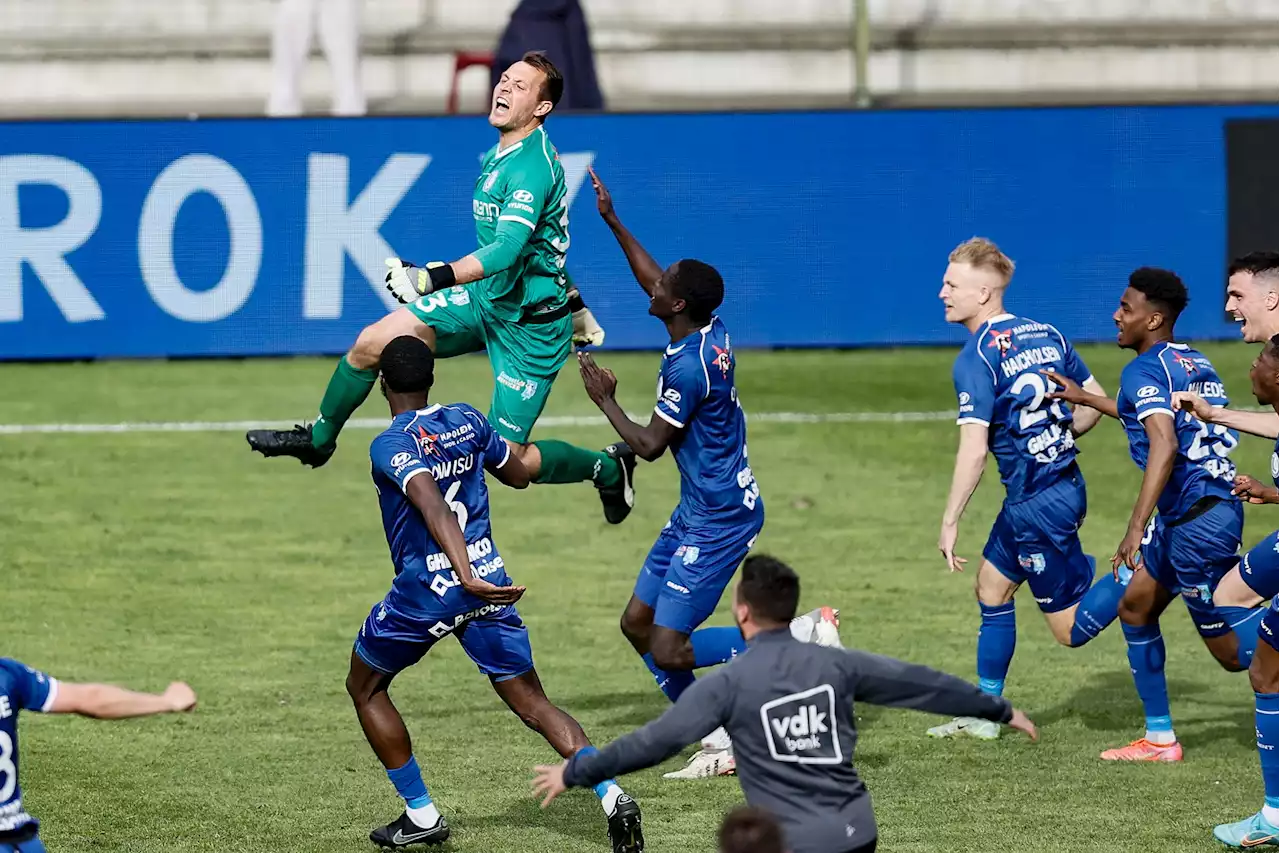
137, 558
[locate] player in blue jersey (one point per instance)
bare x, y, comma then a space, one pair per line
25, 689
1253, 297
428, 467
720, 514
1004, 408
1188, 477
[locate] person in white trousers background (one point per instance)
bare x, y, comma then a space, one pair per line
339, 24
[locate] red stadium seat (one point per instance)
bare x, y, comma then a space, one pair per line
462, 60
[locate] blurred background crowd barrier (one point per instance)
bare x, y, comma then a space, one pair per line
1087, 138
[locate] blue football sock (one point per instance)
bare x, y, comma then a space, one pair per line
603, 788
996, 640
1244, 622
409, 784
716, 645
1146, 662
670, 682
1266, 716
1097, 609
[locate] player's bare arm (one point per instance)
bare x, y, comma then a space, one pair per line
1092, 396
643, 266
108, 702
971, 461
1163, 450
1262, 424
648, 442
510, 472
423, 492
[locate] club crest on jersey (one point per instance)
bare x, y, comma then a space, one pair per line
489, 180
426, 441
1002, 341
723, 360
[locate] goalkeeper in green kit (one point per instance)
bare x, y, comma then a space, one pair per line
510, 298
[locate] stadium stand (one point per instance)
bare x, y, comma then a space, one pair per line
178, 57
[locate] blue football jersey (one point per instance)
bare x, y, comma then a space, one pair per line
696, 395
21, 689
1202, 467
453, 444
999, 384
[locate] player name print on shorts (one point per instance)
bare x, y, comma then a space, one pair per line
801, 728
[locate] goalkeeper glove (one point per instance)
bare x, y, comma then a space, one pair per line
586, 331
407, 282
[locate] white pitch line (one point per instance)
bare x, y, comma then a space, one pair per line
552, 421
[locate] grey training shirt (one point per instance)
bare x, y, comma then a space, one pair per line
789, 708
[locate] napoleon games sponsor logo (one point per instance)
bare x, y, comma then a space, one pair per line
441, 629
801, 728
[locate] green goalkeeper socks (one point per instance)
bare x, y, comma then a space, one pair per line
564, 463
347, 389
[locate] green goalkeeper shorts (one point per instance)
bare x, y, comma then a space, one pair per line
526, 356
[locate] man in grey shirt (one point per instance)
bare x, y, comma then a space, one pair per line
788, 706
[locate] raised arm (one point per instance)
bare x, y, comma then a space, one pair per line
892, 683
1261, 424
643, 266
1085, 418
1092, 395
648, 442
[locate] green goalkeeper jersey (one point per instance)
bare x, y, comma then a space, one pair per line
522, 227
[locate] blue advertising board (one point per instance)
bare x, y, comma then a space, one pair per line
258, 236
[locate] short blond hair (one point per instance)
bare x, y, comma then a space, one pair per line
981, 253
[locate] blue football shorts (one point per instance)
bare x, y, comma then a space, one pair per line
493, 636
1260, 567
1192, 556
689, 567
1037, 541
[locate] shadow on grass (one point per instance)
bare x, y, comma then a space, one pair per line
575, 815
1109, 703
